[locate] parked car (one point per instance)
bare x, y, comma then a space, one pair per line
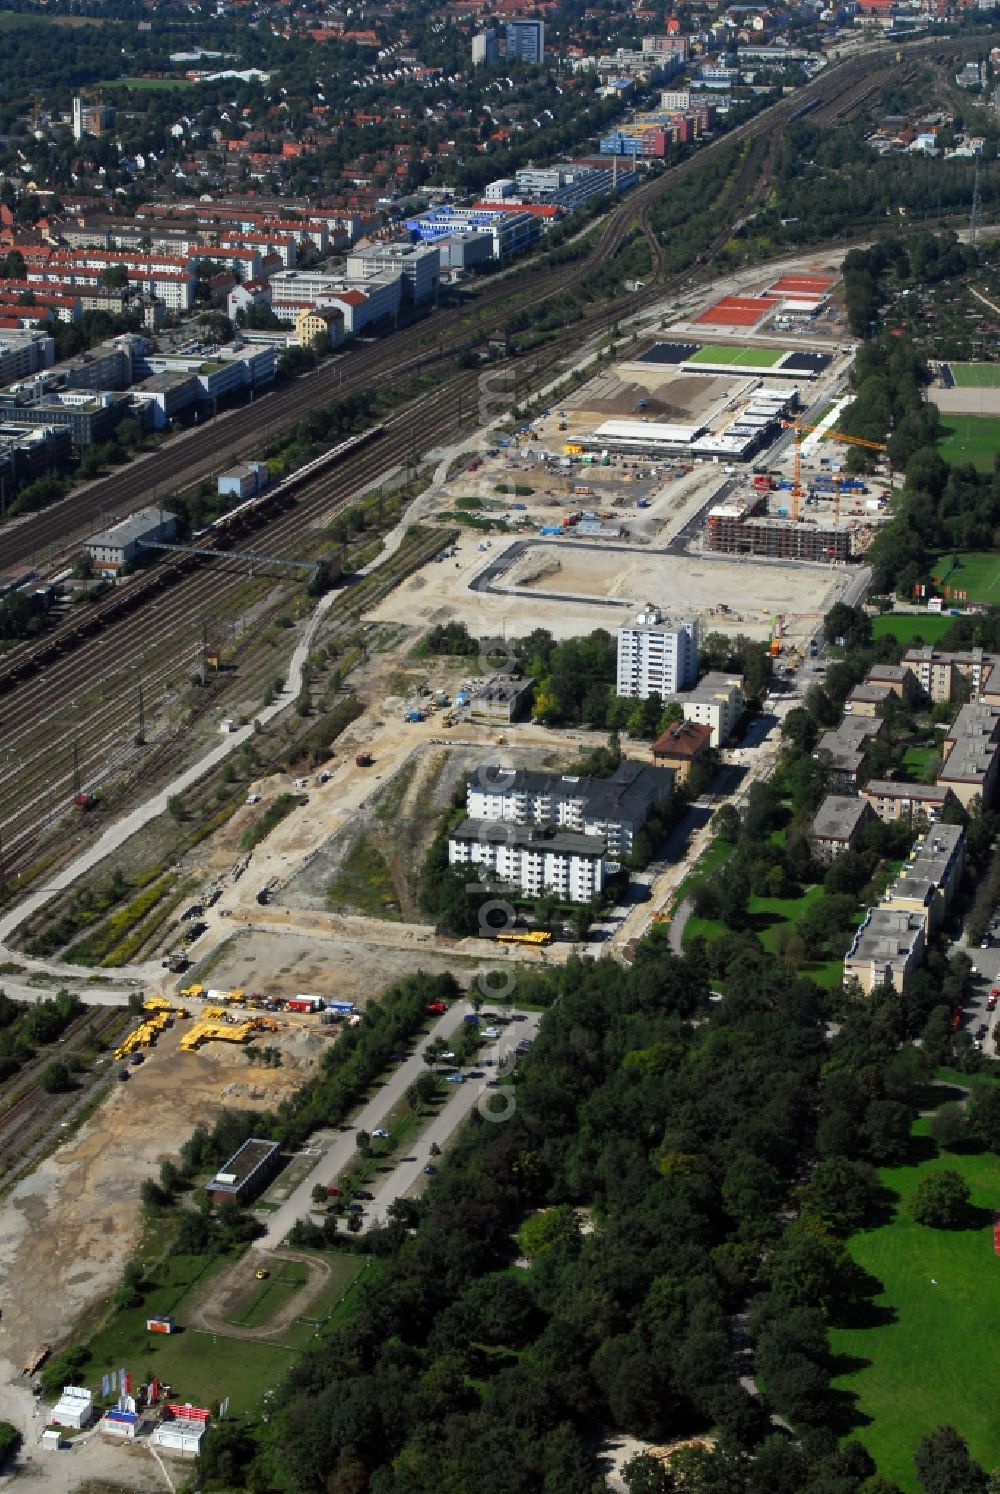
355, 1209
253, 798
430, 1169
380, 1134
362, 1193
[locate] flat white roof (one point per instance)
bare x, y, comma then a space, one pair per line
646, 430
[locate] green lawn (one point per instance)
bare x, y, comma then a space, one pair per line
147, 85
204, 1367
930, 626
976, 375
717, 855
768, 917
978, 573
268, 1297
915, 759
739, 357
200, 1367
933, 1362
970, 438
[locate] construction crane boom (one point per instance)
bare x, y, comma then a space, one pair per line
800, 426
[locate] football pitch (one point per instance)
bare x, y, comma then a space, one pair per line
739, 357
970, 438
978, 573
976, 375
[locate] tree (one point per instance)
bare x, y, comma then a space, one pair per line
170, 1177
799, 728
941, 1200
840, 1193
645, 1474
176, 809
983, 1115
726, 823
550, 1227
850, 623
847, 874
944, 1465
55, 1078
949, 1126
10, 1441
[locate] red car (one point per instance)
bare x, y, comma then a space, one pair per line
438, 1008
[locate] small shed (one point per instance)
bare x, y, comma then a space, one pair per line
51, 1441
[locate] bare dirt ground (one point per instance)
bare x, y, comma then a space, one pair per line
400, 822
683, 398
73, 1223
680, 583
342, 967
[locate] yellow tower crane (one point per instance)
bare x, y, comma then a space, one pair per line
799, 427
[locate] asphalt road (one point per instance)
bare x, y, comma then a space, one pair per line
409, 1171
341, 1155
986, 964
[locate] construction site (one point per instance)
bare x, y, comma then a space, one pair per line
823, 515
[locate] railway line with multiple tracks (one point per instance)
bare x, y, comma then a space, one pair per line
60, 728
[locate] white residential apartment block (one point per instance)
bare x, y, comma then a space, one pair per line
614, 809
655, 656
716, 702
535, 859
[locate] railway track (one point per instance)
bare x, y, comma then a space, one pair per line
181, 463
25, 1122
36, 768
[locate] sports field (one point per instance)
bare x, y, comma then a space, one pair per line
909, 625
739, 357
976, 375
978, 573
970, 438
927, 1354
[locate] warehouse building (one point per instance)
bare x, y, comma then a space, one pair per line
502, 699
247, 1173
122, 544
